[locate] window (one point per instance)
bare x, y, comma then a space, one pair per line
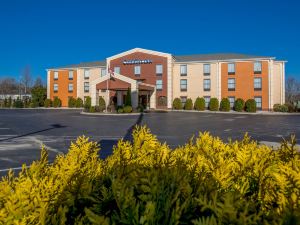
70, 88
257, 67
55, 87
206, 84
55, 75
206, 69
207, 100
117, 69
103, 72
231, 100
86, 86
159, 85
183, 70
183, 100
231, 84
86, 74
231, 68
257, 84
71, 72
137, 70
159, 69
183, 85
258, 101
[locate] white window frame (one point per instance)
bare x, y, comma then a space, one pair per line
103, 72
182, 85
183, 70
55, 76
258, 103
86, 87
257, 67
137, 70
231, 68
206, 84
71, 74
55, 87
257, 85
183, 102
231, 85
207, 100
86, 73
70, 87
206, 69
231, 102
117, 69
159, 85
159, 69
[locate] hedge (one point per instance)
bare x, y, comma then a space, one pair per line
127, 109
225, 105
280, 108
205, 181
56, 102
72, 102
199, 104
250, 105
177, 103
188, 104
87, 102
47, 103
79, 103
239, 105
102, 105
214, 104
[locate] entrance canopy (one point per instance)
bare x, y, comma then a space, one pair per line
119, 85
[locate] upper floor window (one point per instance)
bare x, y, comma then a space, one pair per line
86, 73
55, 75
257, 67
231, 68
159, 69
70, 87
231, 84
206, 84
71, 72
183, 85
103, 72
117, 69
257, 84
137, 70
86, 86
207, 100
231, 101
183, 70
206, 69
159, 85
258, 101
55, 87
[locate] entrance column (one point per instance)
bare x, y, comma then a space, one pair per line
119, 98
134, 95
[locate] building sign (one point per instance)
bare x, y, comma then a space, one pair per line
137, 61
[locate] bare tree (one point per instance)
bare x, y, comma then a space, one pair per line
8, 86
292, 90
38, 82
26, 79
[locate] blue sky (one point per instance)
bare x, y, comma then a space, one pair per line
44, 34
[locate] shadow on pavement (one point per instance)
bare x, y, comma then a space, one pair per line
107, 144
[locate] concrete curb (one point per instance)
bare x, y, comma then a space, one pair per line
42, 108
239, 113
110, 114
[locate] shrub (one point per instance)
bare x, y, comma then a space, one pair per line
250, 105
188, 104
214, 104
239, 105
102, 105
280, 108
38, 94
79, 103
225, 105
120, 110
56, 102
128, 98
199, 104
92, 109
291, 107
48, 103
205, 181
162, 101
18, 103
127, 109
71, 102
177, 103
32, 105
87, 102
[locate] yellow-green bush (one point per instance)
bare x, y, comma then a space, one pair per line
205, 181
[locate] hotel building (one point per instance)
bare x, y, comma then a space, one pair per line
156, 78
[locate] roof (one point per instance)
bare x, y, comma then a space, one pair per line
84, 65
217, 56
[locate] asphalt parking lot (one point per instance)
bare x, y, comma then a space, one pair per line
23, 131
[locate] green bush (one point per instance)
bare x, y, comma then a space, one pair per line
239, 105
56, 102
144, 181
87, 102
225, 105
127, 109
18, 103
79, 103
213, 104
291, 107
280, 108
250, 105
120, 110
32, 105
199, 104
102, 105
72, 102
177, 103
188, 104
38, 95
92, 109
47, 103
128, 98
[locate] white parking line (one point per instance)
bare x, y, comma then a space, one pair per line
15, 168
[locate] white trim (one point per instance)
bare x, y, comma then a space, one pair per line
223, 61
283, 83
48, 84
